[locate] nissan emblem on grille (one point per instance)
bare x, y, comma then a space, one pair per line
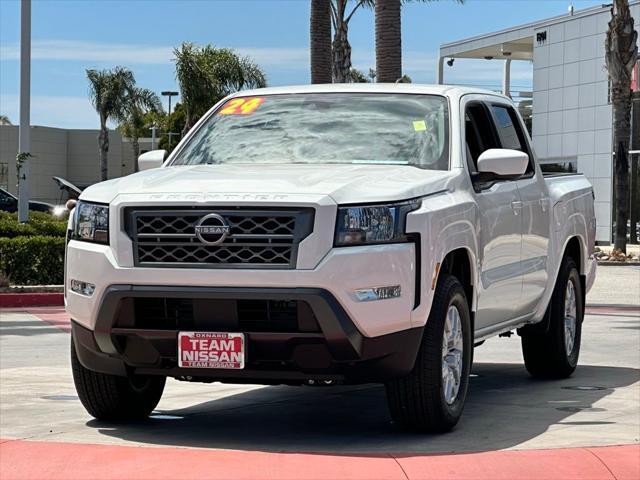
212, 229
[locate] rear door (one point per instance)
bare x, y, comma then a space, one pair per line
535, 209
499, 226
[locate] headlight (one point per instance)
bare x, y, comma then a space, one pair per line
371, 224
91, 222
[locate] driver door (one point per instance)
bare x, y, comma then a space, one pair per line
499, 228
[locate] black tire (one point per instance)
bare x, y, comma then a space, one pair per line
110, 397
417, 401
545, 352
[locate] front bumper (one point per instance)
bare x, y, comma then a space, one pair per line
341, 272
335, 351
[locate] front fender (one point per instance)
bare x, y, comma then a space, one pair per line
445, 224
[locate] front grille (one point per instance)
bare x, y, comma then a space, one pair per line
255, 239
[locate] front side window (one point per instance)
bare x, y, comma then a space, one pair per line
509, 133
325, 128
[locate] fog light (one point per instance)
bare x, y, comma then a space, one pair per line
378, 293
83, 288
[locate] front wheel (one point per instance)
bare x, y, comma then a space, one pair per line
111, 397
431, 398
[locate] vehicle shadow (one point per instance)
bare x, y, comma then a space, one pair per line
504, 409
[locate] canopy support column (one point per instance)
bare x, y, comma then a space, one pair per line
506, 78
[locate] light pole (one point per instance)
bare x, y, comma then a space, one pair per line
24, 143
169, 93
153, 128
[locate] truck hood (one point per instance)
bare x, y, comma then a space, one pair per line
343, 183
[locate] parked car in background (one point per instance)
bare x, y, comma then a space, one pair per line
9, 203
68, 189
330, 234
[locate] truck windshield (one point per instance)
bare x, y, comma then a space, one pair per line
324, 128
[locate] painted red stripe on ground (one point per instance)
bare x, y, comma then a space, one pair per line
120, 462
56, 316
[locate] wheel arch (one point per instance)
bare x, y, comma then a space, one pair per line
460, 263
575, 249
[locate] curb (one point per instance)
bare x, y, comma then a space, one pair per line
12, 300
143, 462
610, 263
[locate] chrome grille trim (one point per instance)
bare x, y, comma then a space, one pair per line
258, 238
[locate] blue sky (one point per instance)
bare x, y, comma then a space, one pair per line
70, 36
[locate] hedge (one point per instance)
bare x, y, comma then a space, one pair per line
35, 260
40, 223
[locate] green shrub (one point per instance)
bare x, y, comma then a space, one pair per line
35, 260
40, 223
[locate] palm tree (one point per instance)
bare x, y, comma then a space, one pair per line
4, 120
340, 47
621, 56
320, 41
108, 91
208, 74
139, 102
389, 39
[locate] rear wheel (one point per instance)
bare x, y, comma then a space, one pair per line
554, 353
431, 398
111, 397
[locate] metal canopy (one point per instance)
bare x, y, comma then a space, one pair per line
521, 49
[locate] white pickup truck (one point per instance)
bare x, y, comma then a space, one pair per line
330, 234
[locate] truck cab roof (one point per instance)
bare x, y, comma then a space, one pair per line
415, 88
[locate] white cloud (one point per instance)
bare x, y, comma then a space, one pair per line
90, 51
291, 58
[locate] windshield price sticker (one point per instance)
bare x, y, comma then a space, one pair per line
419, 125
241, 106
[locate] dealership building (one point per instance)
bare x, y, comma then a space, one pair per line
568, 110
68, 153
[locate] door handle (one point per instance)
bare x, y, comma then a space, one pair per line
517, 206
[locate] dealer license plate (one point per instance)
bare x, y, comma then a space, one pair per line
211, 350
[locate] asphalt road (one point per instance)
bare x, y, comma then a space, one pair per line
599, 405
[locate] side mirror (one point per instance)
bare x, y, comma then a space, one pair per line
152, 159
503, 162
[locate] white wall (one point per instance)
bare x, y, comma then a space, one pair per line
71, 154
571, 113
49, 149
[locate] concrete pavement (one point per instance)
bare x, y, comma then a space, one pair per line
506, 409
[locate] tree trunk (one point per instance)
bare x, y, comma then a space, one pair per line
621, 137
103, 144
621, 56
135, 145
341, 50
388, 41
320, 41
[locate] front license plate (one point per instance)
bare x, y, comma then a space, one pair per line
211, 350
